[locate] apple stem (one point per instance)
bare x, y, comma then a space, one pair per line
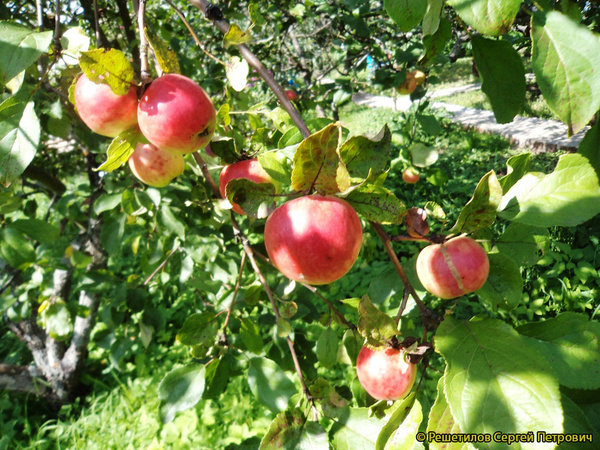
253, 61
250, 253
144, 67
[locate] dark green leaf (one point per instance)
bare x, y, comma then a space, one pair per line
172, 222
250, 334
20, 47
523, 243
181, 389
270, 384
112, 233
38, 230
327, 347
377, 204
480, 211
502, 76
317, 163
15, 249
199, 329
590, 147
363, 156
565, 59
435, 43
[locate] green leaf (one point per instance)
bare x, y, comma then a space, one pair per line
254, 11
590, 147
57, 320
480, 211
225, 149
422, 155
171, 222
565, 58
568, 196
166, 58
374, 325
20, 47
120, 149
576, 422
317, 163
523, 243
517, 166
441, 420
9, 202
352, 342
406, 13
377, 203
270, 384
38, 230
112, 232
504, 287
491, 17
355, 429
284, 431
292, 135
430, 125
502, 76
571, 342
181, 389
199, 329
433, 16
327, 347
495, 380
250, 335
109, 67
275, 163
255, 199
107, 202
435, 43
363, 156
19, 137
235, 36
402, 426
15, 249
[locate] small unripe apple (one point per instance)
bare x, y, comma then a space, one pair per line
103, 111
291, 95
409, 84
385, 373
154, 166
176, 115
410, 176
419, 77
249, 169
314, 239
454, 268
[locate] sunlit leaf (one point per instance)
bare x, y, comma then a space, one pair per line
181, 389
491, 17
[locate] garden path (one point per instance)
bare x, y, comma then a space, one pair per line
537, 134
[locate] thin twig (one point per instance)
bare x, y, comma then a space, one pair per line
144, 66
262, 71
250, 253
331, 306
162, 264
97, 24
194, 36
213, 186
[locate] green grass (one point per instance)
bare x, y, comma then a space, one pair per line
456, 74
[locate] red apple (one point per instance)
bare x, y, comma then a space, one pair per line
103, 111
467, 272
176, 115
314, 239
249, 169
384, 373
411, 176
292, 95
154, 166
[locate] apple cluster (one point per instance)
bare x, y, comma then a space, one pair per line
174, 114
